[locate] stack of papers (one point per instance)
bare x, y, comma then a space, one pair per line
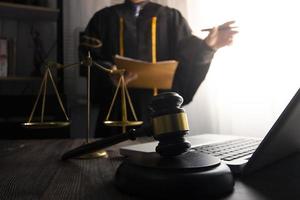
150, 75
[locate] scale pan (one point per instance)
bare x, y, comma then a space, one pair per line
120, 123
46, 125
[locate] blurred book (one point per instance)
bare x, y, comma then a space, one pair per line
12, 57
3, 57
150, 75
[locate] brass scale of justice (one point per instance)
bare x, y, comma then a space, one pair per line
87, 62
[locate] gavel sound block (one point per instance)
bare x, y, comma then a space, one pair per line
174, 170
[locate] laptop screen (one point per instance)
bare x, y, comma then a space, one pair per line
282, 140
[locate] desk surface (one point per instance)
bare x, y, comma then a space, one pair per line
32, 169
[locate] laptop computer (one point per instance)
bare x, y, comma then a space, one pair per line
245, 154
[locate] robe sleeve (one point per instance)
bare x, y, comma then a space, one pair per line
194, 58
100, 81
179, 29
99, 28
193, 55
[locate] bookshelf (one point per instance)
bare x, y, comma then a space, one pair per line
22, 24
26, 12
24, 78
16, 22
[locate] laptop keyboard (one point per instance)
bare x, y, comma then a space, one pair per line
231, 149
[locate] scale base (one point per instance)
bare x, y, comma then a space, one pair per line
94, 155
186, 176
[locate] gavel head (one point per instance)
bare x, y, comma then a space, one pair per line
169, 124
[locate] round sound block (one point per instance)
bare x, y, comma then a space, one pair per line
192, 174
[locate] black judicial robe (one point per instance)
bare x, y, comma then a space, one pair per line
174, 40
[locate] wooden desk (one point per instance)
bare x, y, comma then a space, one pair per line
31, 169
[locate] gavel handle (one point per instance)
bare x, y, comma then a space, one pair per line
98, 145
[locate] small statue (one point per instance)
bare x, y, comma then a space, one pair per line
38, 52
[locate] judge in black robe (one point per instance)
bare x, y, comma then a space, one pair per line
129, 32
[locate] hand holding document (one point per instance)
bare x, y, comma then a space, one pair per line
128, 76
149, 75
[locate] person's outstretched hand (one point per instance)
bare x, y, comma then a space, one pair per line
221, 36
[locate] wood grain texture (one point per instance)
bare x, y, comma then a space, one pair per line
32, 169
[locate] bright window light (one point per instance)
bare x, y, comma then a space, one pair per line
250, 82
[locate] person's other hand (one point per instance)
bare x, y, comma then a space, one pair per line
128, 76
221, 36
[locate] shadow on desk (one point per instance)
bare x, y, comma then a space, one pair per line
16, 131
15, 110
38, 173
278, 181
